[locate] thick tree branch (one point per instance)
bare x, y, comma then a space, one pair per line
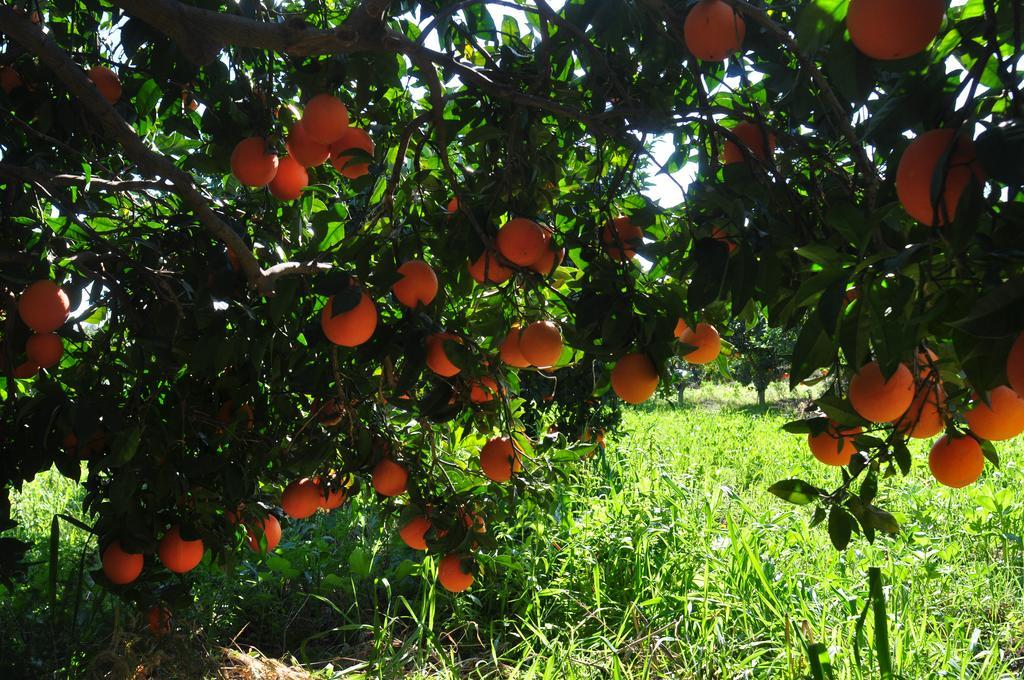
202, 33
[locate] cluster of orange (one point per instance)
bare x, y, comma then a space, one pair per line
917, 407
322, 133
44, 307
881, 29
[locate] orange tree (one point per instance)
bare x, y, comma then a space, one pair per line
259, 257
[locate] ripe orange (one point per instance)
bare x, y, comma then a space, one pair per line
851, 294
10, 79
177, 554
894, 29
1015, 365
510, 351
453, 205
1002, 418
414, 534
44, 306
272, 531
751, 136
522, 241
499, 458
705, 339
549, 260
452, 574
880, 400
350, 328
325, 119
24, 371
348, 164
835, 445
159, 620
488, 269
919, 167
720, 234
713, 30
290, 180
541, 343
227, 413
251, 164
621, 238
301, 498
418, 285
924, 418
483, 389
956, 462
635, 378
44, 349
389, 478
437, 359
306, 151
107, 82
119, 566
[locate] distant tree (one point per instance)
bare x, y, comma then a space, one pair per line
762, 354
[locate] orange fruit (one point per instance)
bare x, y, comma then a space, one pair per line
541, 343
956, 461
880, 400
1015, 365
107, 82
325, 119
1002, 418
418, 285
499, 458
851, 294
452, 574
389, 478
158, 619
751, 136
549, 260
177, 554
488, 269
44, 306
227, 413
414, 534
119, 566
306, 152
24, 371
924, 418
720, 234
44, 349
522, 241
10, 79
483, 389
894, 29
348, 164
713, 30
705, 339
453, 205
635, 378
510, 351
251, 164
271, 530
301, 498
621, 238
918, 170
352, 327
290, 180
835, 445
437, 360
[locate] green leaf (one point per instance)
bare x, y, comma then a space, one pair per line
147, 98
795, 491
840, 527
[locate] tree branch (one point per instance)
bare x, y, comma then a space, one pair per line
202, 33
31, 176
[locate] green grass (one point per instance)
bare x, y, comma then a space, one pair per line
665, 557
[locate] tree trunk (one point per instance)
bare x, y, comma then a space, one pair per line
679, 395
760, 395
